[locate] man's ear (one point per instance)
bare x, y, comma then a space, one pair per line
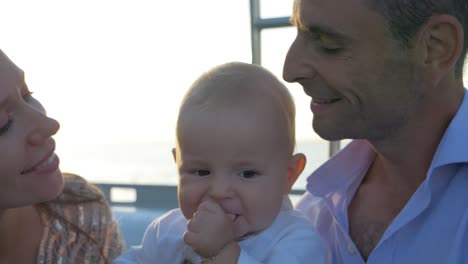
296, 166
440, 42
174, 154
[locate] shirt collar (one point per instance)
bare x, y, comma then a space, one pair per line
341, 170
452, 148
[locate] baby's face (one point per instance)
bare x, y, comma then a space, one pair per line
237, 158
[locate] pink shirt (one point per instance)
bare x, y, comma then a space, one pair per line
431, 228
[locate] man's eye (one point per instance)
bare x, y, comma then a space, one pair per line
201, 172
248, 174
330, 51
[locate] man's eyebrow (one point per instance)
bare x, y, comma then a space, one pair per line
329, 32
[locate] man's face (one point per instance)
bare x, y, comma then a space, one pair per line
362, 83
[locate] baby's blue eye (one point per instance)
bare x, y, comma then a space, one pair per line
201, 172
248, 174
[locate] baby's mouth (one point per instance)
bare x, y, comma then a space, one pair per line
233, 217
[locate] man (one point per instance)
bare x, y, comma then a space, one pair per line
388, 73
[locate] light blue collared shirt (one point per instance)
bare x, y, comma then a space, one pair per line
431, 228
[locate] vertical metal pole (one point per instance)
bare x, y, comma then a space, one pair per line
255, 32
334, 147
256, 38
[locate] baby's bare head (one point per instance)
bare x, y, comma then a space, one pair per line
244, 87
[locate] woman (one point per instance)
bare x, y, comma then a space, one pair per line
45, 217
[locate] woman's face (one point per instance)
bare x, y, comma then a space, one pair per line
29, 172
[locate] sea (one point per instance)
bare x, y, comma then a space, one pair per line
151, 162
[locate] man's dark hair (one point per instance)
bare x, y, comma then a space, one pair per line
405, 18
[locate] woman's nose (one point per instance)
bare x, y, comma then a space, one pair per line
43, 128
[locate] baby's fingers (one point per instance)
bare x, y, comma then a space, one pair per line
195, 223
190, 238
195, 241
209, 206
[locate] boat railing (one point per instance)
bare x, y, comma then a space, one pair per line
135, 206
146, 196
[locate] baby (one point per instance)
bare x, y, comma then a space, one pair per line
235, 139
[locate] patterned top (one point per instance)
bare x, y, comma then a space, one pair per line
78, 226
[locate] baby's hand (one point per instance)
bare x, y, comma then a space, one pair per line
209, 229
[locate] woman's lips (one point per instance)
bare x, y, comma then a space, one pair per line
48, 164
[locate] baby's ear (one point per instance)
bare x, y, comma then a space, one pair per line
296, 166
174, 154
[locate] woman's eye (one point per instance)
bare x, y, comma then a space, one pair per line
201, 172
6, 126
248, 174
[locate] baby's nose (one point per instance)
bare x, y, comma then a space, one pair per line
220, 188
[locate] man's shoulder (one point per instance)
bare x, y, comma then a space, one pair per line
346, 166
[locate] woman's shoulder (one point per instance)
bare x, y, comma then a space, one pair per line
78, 190
81, 214
82, 203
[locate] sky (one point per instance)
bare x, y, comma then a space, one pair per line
116, 70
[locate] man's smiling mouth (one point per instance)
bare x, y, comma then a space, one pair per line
324, 101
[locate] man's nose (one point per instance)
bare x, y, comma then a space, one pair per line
298, 65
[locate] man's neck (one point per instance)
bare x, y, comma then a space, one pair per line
406, 156
400, 166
